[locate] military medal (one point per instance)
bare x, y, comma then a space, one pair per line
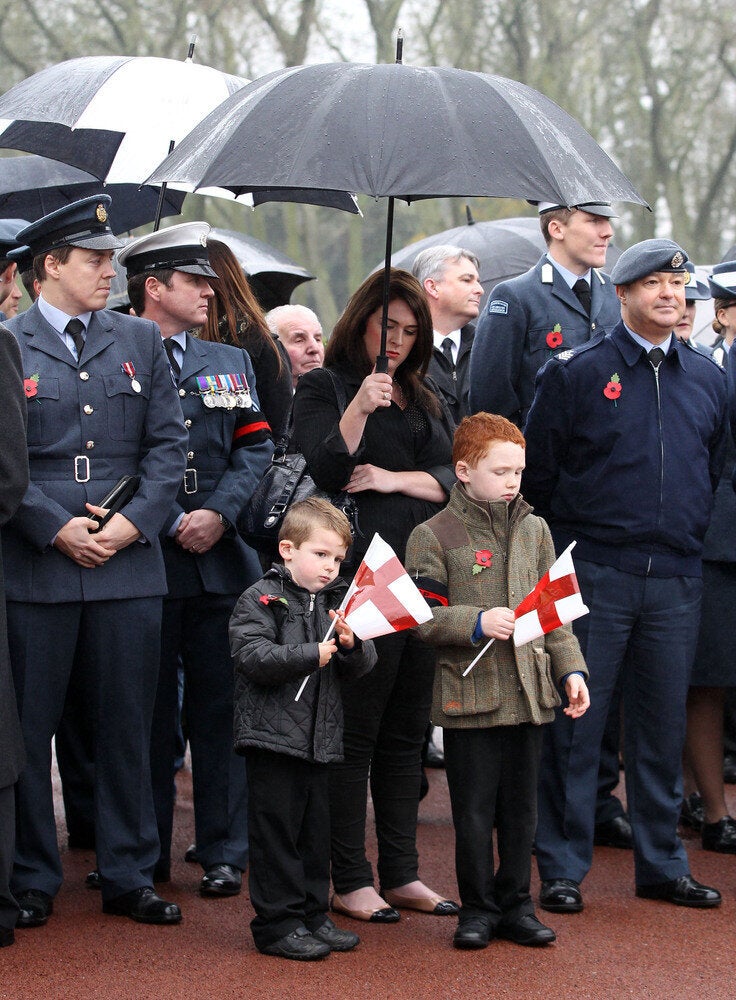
243, 392
129, 369
208, 391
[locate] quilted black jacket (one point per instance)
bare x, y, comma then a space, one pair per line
275, 630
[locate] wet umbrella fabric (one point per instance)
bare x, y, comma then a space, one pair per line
33, 186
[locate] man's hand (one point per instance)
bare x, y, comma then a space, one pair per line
199, 530
83, 546
118, 533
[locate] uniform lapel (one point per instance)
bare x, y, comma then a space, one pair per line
99, 335
41, 336
195, 358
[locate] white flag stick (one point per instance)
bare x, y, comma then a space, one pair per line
470, 667
330, 630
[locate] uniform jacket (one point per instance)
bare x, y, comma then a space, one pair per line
454, 389
228, 452
275, 631
13, 485
88, 418
511, 336
508, 686
631, 478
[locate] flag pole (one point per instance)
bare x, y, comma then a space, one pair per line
327, 638
471, 665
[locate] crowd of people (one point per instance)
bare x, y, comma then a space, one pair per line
576, 411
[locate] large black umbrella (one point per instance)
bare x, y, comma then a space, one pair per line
399, 132
33, 186
505, 248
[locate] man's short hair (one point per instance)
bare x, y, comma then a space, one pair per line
61, 254
301, 520
562, 215
475, 435
432, 262
274, 317
137, 287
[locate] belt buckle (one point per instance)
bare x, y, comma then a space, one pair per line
190, 481
81, 468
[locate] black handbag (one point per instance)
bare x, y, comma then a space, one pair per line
284, 483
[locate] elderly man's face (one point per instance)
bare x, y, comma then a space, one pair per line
10, 291
301, 335
654, 305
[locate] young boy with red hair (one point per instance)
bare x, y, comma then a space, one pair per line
474, 561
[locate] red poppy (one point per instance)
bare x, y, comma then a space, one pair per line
273, 599
483, 559
612, 390
30, 387
554, 339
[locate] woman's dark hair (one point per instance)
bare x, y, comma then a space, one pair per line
346, 346
718, 304
234, 301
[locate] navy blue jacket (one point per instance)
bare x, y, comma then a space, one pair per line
511, 345
630, 478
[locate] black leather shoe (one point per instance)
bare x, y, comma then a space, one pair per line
472, 934
527, 930
93, 880
335, 938
35, 908
691, 812
191, 855
299, 945
720, 836
614, 833
7, 937
433, 756
683, 891
221, 880
561, 895
145, 906
729, 768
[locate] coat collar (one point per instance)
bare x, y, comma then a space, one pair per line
633, 352
42, 336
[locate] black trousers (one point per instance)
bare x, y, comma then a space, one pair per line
8, 904
289, 835
386, 715
492, 774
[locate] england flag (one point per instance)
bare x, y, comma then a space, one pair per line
554, 601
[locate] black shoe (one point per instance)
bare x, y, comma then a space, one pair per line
93, 880
221, 880
472, 934
433, 756
82, 840
729, 768
191, 855
335, 938
720, 836
299, 945
614, 833
35, 908
691, 812
561, 895
683, 891
527, 930
7, 937
145, 906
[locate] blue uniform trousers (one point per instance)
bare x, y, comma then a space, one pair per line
195, 633
643, 630
121, 638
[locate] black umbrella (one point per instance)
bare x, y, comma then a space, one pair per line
33, 186
505, 248
399, 132
271, 274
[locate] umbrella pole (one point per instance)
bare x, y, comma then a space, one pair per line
161, 196
382, 359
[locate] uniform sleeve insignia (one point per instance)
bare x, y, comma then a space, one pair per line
565, 355
498, 306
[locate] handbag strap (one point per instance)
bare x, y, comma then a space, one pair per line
283, 445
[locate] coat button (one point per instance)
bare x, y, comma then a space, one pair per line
182, 392
90, 445
190, 455
187, 423
89, 409
84, 376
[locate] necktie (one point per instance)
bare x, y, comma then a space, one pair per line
656, 356
173, 363
447, 350
75, 329
582, 291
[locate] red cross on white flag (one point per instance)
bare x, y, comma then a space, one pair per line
554, 601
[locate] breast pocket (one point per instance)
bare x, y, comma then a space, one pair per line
126, 407
44, 425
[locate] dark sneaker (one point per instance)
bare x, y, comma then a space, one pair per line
299, 945
335, 938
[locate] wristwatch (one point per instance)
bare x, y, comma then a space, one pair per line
223, 521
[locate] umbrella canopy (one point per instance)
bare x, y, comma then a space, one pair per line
33, 186
272, 275
505, 248
398, 131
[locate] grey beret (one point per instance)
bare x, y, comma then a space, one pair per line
647, 257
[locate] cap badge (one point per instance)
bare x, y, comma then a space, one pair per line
101, 213
203, 239
678, 260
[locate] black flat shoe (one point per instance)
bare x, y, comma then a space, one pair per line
35, 908
472, 934
561, 895
7, 937
191, 855
614, 833
683, 891
144, 906
386, 915
527, 930
299, 945
720, 837
93, 879
691, 812
221, 880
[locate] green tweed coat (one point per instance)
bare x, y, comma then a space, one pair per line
508, 686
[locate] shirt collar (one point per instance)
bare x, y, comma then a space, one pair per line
58, 319
568, 277
646, 344
454, 336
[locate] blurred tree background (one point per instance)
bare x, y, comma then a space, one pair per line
653, 82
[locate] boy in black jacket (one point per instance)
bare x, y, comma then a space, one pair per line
276, 634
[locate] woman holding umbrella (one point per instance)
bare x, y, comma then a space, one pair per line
391, 449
